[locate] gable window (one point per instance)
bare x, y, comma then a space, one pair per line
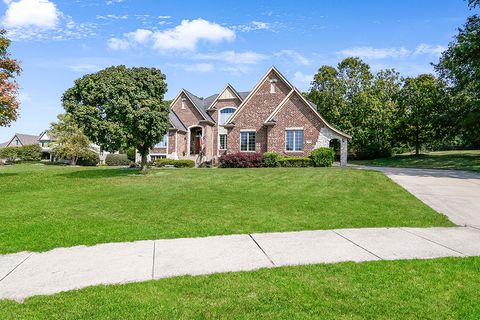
225, 114
162, 143
247, 141
294, 140
17, 142
183, 103
273, 85
222, 141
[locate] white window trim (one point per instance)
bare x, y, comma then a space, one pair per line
248, 130
220, 112
303, 143
219, 144
166, 147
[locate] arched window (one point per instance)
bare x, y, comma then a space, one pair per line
225, 114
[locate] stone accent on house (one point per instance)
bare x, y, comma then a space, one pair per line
326, 135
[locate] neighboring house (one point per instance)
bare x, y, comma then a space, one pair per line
46, 142
274, 116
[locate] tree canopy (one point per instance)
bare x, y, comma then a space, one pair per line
120, 107
9, 70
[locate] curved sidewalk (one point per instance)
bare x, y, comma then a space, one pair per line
23, 275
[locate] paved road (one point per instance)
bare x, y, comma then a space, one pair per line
451, 192
23, 275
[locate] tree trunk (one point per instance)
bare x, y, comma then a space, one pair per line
143, 164
417, 142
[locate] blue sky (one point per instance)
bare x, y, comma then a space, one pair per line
201, 45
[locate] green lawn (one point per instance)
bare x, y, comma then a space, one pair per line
459, 160
44, 207
414, 289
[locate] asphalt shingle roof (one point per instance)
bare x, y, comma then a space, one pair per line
176, 122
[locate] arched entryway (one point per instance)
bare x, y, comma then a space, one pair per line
195, 140
335, 143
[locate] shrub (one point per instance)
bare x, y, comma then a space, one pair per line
175, 163
241, 160
270, 159
24, 153
131, 154
322, 157
90, 159
295, 162
117, 160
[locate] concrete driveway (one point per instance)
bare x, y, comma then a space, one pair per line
453, 193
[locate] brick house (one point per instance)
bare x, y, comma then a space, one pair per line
274, 116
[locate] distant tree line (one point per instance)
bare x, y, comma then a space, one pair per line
386, 113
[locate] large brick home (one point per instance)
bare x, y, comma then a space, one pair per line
274, 116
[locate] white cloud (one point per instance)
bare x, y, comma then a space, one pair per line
237, 70
257, 25
118, 44
292, 56
164, 17
110, 2
247, 57
199, 67
189, 33
139, 35
375, 53
112, 17
302, 80
37, 13
430, 49
84, 67
185, 36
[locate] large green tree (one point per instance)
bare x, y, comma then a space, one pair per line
422, 104
459, 65
358, 102
121, 107
9, 70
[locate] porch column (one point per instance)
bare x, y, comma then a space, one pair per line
343, 152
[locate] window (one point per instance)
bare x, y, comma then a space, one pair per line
225, 114
183, 103
17, 142
294, 140
153, 158
223, 141
247, 141
163, 142
273, 85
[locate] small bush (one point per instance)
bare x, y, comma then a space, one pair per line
90, 159
131, 154
114, 160
175, 163
322, 157
289, 162
241, 160
270, 159
24, 153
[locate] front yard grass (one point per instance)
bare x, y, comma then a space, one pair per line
414, 289
43, 207
458, 160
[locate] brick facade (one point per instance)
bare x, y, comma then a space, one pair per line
273, 107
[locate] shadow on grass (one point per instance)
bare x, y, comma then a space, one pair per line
8, 174
100, 173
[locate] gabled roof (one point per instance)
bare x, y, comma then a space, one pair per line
312, 106
255, 89
199, 104
25, 139
217, 96
176, 122
3, 144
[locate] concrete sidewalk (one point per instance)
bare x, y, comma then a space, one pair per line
24, 275
451, 192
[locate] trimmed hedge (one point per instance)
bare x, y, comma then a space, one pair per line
270, 159
289, 162
175, 163
89, 160
114, 160
241, 160
323, 157
24, 153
